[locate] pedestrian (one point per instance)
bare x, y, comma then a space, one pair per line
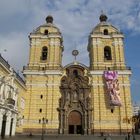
30, 135
129, 135
108, 137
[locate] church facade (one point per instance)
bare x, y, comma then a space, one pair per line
77, 99
12, 89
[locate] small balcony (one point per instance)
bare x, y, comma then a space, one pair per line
10, 102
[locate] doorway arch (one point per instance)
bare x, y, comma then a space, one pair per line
75, 122
75, 102
3, 129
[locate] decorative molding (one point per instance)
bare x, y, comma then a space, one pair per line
43, 85
55, 43
102, 62
106, 122
42, 36
37, 121
101, 84
100, 72
27, 72
109, 36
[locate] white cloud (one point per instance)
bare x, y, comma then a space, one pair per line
75, 18
14, 48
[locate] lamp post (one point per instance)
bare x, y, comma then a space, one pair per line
44, 121
133, 129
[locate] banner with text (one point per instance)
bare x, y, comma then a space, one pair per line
112, 84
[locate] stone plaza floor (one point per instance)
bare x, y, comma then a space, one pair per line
70, 137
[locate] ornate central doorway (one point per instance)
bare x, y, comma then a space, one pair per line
75, 122
75, 103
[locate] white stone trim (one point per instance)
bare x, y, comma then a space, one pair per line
101, 84
101, 72
102, 62
42, 85
28, 72
31, 121
105, 121
42, 36
117, 35
55, 43
108, 36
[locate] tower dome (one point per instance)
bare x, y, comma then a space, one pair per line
49, 19
103, 18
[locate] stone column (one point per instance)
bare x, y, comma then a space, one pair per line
14, 124
89, 121
8, 122
65, 123
85, 122
1, 91
61, 122
1, 119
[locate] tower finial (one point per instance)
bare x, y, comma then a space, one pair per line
103, 17
102, 12
49, 19
75, 53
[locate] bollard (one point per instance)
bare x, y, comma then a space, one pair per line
125, 137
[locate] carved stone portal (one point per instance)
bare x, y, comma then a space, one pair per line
75, 103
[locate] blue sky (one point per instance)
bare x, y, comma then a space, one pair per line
76, 19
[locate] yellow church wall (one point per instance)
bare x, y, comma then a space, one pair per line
102, 116
47, 81
49, 103
50, 30
36, 49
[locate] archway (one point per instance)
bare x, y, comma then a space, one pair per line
75, 103
75, 122
3, 126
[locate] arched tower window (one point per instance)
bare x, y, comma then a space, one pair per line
75, 73
44, 53
105, 32
107, 53
46, 32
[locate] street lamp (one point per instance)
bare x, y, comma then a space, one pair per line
133, 133
133, 129
44, 121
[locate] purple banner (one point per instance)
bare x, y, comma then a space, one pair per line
112, 84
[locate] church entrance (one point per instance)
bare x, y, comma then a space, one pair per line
75, 103
75, 122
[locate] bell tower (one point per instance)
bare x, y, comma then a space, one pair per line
46, 46
43, 74
110, 80
106, 48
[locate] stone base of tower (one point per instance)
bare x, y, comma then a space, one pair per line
38, 131
96, 132
105, 132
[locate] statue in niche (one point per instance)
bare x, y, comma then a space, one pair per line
67, 96
7, 87
75, 95
74, 91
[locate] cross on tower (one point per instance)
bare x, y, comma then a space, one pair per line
75, 53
